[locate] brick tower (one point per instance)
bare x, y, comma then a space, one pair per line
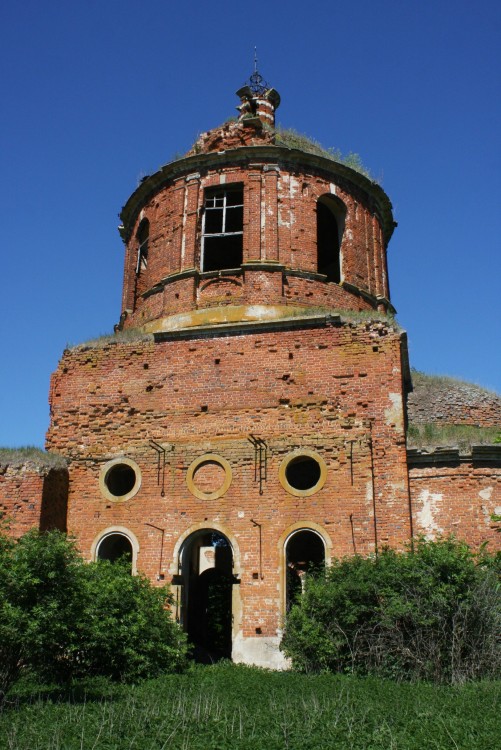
247, 419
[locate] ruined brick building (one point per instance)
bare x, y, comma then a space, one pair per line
248, 419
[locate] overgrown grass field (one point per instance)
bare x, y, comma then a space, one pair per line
227, 706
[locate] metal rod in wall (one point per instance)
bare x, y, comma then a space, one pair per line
353, 534
160, 574
160, 451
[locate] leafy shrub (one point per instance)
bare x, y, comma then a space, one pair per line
61, 617
432, 614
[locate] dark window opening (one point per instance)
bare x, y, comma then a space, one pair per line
113, 547
303, 473
143, 236
328, 250
120, 479
305, 553
222, 242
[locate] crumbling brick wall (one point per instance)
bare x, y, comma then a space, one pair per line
457, 494
329, 387
449, 401
33, 495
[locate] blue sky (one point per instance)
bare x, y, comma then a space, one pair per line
97, 94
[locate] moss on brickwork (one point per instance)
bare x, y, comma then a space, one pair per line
30, 455
121, 337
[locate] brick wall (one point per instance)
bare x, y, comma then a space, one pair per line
279, 229
453, 494
33, 496
335, 389
449, 401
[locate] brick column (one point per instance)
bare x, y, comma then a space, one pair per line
252, 219
190, 220
270, 212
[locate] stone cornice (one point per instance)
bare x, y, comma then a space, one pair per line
480, 455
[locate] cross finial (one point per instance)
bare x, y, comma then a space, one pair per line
255, 59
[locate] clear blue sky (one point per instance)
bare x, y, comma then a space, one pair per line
97, 94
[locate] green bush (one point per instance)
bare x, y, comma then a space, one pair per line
432, 614
61, 617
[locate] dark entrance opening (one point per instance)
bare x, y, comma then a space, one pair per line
304, 553
115, 547
207, 573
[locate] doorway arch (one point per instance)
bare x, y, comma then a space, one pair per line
206, 568
304, 552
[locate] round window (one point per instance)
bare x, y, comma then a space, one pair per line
120, 479
302, 473
209, 477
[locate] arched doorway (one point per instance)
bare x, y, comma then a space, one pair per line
113, 547
304, 552
206, 563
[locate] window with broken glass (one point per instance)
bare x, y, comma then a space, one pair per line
222, 232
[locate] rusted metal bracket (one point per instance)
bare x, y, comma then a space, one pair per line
161, 452
260, 460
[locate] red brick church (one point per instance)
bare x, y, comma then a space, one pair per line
248, 418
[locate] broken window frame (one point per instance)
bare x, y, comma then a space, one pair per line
216, 200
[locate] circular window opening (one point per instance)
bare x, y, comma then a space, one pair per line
303, 473
120, 479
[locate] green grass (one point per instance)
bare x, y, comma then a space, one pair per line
225, 706
31, 454
292, 139
461, 436
129, 335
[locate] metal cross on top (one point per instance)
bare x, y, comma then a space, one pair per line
256, 82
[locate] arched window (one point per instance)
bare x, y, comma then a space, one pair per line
114, 547
222, 231
330, 225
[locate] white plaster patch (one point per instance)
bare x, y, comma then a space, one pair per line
368, 492
486, 493
259, 651
294, 187
426, 516
394, 415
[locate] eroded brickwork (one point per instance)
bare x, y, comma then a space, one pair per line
32, 496
457, 496
246, 419
335, 388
